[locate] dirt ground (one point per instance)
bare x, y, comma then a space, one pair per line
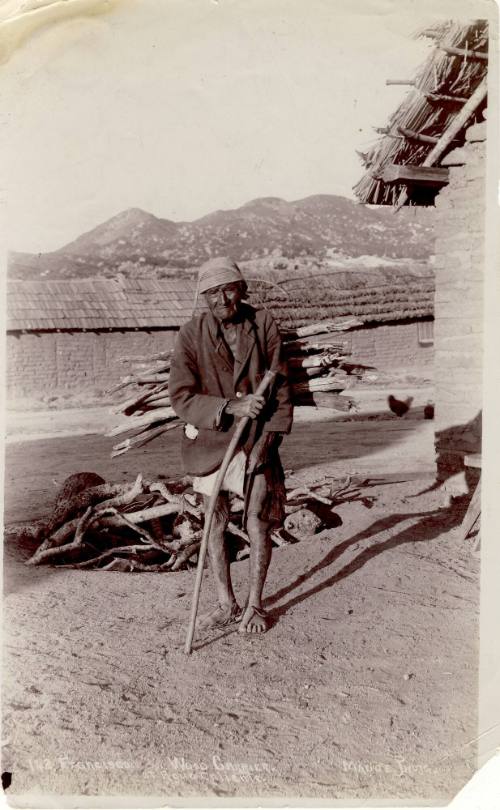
365, 686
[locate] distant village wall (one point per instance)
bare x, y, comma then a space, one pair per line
77, 364
397, 346
41, 365
459, 262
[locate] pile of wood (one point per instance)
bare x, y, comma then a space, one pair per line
319, 365
156, 526
320, 370
148, 411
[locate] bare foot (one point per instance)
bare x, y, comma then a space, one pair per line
254, 620
221, 616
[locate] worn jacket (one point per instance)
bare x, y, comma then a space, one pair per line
205, 375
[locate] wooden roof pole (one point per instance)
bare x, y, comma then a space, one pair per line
400, 81
449, 134
437, 97
416, 136
468, 54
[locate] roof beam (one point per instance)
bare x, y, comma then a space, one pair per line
411, 135
468, 54
452, 131
439, 97
432, 176
400, 81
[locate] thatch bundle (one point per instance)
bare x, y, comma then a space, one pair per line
320, 369
379, 304
442, 85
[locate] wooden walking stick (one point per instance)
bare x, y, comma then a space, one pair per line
264, 384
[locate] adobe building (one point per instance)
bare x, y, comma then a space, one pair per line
76, 339
433, 153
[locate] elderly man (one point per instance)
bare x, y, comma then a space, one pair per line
220, 357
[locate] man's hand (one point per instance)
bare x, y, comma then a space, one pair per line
250, 405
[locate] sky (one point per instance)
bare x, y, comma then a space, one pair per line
182, 107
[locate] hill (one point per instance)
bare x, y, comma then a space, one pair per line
321, 226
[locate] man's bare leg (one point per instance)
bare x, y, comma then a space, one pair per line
254, 619
227, 609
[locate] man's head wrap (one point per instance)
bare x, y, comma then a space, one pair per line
216, 272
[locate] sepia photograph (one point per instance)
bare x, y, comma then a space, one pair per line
248, 297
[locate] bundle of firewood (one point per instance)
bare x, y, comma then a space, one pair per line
319, 365
148, 411
157, 526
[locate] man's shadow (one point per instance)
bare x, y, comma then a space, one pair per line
431, 525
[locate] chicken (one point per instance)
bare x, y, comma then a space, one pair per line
398, 406
429, 411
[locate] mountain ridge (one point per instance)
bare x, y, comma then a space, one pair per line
319, 226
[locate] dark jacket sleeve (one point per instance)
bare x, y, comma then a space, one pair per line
193, 407
281, 419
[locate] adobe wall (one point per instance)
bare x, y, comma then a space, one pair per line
393, 347
458, 327
79, 364
85, 364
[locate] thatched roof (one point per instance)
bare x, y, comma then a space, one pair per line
301, 302
90, 304
98, 304
447, 80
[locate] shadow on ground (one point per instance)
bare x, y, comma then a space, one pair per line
353, 437
431, 525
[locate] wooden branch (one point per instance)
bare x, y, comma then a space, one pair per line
182, 503
125, 520
147, 379
233, 528
344, 486
144, 515
280, 541
305, 492
143, 437
147, 396
451, 132
319, 328
124, 382
155, 415
313, 361
126, 497
184, 555
109, 553
336, 382
162, 355
43, 553
156, 402
61, 535
166, 494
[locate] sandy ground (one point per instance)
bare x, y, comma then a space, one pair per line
365, 686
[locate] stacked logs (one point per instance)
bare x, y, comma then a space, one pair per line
157, 526
319, 368
149, 412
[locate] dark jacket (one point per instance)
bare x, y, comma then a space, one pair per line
204, 376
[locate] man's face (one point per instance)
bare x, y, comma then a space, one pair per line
224, 301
